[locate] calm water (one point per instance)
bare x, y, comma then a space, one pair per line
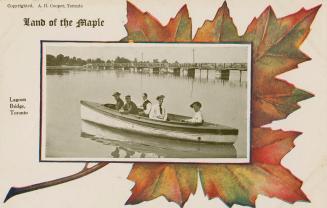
224, 102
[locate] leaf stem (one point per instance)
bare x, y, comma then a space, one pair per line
85, 171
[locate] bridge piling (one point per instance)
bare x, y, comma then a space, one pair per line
155, 70
191, 72
177, 71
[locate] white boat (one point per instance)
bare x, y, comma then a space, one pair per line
174, 128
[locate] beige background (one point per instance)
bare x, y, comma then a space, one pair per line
19, 77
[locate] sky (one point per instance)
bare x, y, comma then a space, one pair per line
183, 53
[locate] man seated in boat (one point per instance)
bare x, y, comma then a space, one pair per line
197, 117
129, 107
158, 112
119, 102
146, 106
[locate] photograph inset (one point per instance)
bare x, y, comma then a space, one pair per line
130, 102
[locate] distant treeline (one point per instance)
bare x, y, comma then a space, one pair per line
73, 61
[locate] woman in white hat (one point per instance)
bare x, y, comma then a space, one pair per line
197, 117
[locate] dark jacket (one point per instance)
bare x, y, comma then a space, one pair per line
119, 104
130, 108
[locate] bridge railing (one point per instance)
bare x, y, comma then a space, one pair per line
217, 66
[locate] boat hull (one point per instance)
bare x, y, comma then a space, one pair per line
89, 113
152, 147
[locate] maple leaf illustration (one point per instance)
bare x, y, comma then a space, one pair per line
144, 27
275, 43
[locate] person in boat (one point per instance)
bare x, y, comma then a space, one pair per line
197, 117
158, 112
146, 106
129, 107
119, 102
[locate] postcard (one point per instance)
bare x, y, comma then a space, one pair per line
163, 103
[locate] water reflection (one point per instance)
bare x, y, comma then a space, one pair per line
59, 72
126, 145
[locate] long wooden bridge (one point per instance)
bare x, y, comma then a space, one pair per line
152, 65
222, 68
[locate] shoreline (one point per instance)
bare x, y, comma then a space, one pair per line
64, 67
